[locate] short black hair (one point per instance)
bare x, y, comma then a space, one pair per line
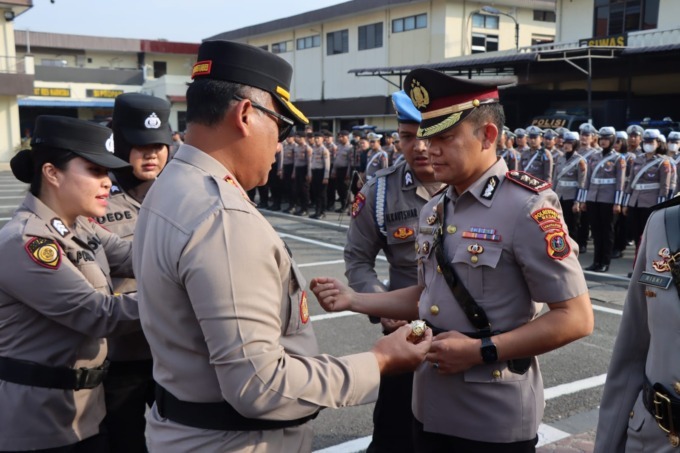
208, 100
488, 112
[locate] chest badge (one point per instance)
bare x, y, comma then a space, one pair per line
403, 233
475, 249
431, 219
490, 188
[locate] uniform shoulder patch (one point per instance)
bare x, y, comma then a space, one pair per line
528, 181
358, 204
45, 252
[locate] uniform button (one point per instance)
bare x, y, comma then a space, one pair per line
451, 229
496, 374
474, 259
439, 269
632, 414
434, 309
417, 247
673, 439
676, 387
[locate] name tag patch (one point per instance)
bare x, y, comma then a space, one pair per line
659, 281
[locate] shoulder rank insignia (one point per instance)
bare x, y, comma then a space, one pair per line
115, 190
408, 178
527, 181
45, 252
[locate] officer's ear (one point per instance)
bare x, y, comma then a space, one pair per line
489, 135
51, 174
240, 116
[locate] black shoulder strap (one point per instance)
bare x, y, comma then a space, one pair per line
475, 314
672, 221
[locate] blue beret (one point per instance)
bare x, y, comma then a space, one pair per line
406, 111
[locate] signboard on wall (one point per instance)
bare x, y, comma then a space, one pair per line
52, 92
605, 41
108, 94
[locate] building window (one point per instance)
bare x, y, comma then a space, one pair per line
541, 39
484, 43
485, 21
613, 17
409, 23
160, 68
544, 16
371, 36
337, 42
308, 42
53, 62
265, 47
281, 47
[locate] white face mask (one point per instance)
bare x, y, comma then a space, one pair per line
674, 147
649, 147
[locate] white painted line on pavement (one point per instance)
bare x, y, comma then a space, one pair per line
12, 197
321, 263
573, 387
9, 207
2, 219
608, 310
326, 316
320, 244
547, 435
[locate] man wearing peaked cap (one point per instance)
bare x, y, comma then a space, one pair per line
492, 221
223, 305
141, 136
537, 161
385, 218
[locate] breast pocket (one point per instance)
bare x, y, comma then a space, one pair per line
480, 259
297, 304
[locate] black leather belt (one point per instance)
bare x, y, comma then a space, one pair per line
37, 375
218, 416
663, 406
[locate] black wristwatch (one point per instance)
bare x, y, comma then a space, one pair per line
489, 352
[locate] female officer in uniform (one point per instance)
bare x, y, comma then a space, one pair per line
571, 171
56, 302
141, 136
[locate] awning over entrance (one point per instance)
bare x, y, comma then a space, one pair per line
28, 102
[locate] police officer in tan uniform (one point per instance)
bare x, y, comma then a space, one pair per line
332, 148
141, 135
56, 301
222, 303
536, 160
512, 158
604, 197
640, 407
286, 168
503, 235
302, 174
320, 167
341, 168
550, 144
376, 157
569, 182
648, 185
586, 134
385, 217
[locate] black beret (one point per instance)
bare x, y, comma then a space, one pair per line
142, 119
248, 65
445, 101
88, 140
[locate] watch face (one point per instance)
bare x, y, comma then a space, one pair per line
489, 352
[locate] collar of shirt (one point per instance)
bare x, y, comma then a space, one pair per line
476, 189
197, 158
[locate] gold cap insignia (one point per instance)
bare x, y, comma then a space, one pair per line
419, 95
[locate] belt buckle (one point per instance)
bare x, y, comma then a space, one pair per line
81, 378
659, 401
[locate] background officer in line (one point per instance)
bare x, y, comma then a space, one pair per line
569, 182
643, 376
141, 136
674, 156
521, 140
389, 148
222, 302
56, 294
635, 132
586, 134
341, 168
320, 167
332, 148
559, 141
536, 160
604, 197
376, 157
621, 227
286, 168
550, 144
503, 235
649, 184
385, 217
507, 153
302, 174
